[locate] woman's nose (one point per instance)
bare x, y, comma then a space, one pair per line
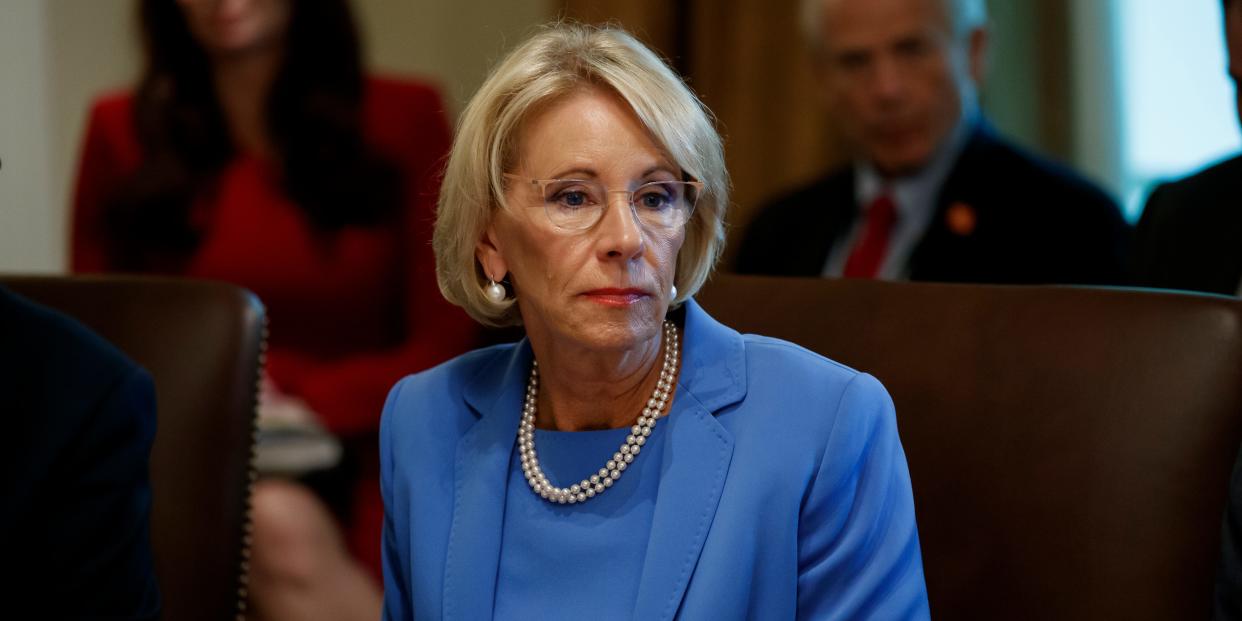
620, 233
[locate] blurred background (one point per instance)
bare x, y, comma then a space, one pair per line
1126, 91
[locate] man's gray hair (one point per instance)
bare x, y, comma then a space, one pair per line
964, 15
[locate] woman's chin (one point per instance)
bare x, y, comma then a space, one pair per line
620, 331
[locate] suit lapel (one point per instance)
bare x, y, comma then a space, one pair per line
839, 207
936, 255
482, 477
695, 465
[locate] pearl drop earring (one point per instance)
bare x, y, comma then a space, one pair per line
494, 291
673, 294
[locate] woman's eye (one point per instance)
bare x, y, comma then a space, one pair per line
654, 199
573, 198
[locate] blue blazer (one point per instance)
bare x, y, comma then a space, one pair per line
783, 494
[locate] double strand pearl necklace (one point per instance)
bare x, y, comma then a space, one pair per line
596, 484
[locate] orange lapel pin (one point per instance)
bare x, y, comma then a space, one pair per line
961, 218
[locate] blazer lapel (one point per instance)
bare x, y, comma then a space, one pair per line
696, 462
482, 477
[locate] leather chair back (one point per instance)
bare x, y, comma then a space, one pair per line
1069, 447
202, 344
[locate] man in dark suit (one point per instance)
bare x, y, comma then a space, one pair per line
79, 419
1190, 237
1190, 234
933, 192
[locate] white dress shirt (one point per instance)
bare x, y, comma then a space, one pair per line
915, 198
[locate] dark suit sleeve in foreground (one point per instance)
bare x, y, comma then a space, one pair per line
99, 547
79, 421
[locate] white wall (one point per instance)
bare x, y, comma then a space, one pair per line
452, 42
55, 55
26, 225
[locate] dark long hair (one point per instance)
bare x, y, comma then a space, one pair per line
314, 122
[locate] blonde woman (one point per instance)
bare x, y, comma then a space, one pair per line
632, 457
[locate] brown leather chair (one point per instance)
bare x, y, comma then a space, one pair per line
202, 343
1069, 447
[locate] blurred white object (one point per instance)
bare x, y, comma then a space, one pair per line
292, 442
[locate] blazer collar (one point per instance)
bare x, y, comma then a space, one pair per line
692, 474
481, 481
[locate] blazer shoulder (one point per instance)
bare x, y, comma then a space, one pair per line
38, 338
402, 90
406, 120
811, 195
791, 234
801, 374
415, 398
801, 402
52, 365
1003, 161
113, 107
767, 350
1214, 185
110, 126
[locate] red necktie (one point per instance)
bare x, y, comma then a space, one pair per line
868, 253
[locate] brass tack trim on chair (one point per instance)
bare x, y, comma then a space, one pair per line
252, 476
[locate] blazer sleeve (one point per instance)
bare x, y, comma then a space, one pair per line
396, 585
859, 555
348, 393
102, 552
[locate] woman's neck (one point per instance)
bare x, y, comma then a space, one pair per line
582, 389
243, 83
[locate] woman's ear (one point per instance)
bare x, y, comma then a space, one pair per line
490, 256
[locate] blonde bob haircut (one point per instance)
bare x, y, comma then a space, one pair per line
560, 59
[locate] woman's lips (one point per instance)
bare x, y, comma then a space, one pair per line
615, 297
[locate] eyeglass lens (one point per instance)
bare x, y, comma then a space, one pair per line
579, 204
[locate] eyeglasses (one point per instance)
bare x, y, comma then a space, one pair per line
578, 204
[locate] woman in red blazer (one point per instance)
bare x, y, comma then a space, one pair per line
255, 151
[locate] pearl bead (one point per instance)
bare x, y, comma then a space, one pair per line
495, 292
639, 432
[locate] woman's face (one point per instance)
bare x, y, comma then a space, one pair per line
606, 287
230, 27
